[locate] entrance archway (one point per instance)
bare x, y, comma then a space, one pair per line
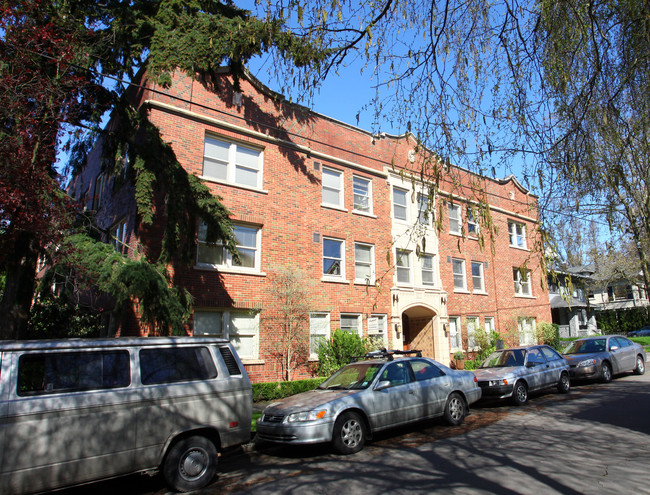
419, 325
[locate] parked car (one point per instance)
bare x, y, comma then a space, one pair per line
515, 372
603, 357
641, 332
387, 389
79, 410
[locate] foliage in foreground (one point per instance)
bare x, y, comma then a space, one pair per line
263, 392
339, 351
485, 344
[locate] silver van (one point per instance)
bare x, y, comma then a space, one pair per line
74, 411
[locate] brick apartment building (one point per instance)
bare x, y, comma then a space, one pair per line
311, 193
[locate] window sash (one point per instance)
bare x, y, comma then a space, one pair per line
216, 254
319, 329
472, 325
231, 162
458, 268
454, 219
361, 194
333, 261
472, 224
332, 187
241, 328
517, 234
455, 336
426, 262
351, 323
423, 210
364, 263
403, 266
521, 280
477, 276
399, 204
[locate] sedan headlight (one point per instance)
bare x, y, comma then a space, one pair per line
587, 362
306, 416
497, 383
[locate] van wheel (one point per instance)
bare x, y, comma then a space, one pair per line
190, 464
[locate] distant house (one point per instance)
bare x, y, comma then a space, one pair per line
570, 308
618, 294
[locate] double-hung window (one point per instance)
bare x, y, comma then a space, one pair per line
455, 337
403, 266
351, 323
527, 331
364, 263
247, 239
521, 279
232, 162
428, 275
472, 325
332, 187
333, 258
118, 237
478, 279
489, 325
377, 331
319, 331
472, 223
400, 205
455, 221
423, 210
241, 328
458, 268
362, 194
517, 233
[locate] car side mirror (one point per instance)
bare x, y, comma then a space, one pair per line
531, 364
382, 385
613, 348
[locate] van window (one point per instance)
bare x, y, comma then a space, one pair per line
55, 372
176, 364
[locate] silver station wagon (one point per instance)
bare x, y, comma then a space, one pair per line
367, 396
79, 410
513, 373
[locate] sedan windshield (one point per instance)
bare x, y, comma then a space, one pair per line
352, 377
505, 358
585, 346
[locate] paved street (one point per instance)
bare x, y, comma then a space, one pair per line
594, 440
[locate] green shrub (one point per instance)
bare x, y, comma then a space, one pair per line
263, 392
549, 334
484, 345
337, 352
57, 318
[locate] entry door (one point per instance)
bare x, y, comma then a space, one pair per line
420, 333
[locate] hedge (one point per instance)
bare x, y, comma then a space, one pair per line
263, 392
622, 321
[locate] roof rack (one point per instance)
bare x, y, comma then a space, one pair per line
386, 354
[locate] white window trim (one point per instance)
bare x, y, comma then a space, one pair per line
118, 237
464, 288
326, 334
405, 205
459, 336
226, 327
457, 216
369, 197
409, 267
472, 335
512, 235
472, 222
228, 265
371, 264
357, 316
381, 329
426, 210
489, 327
527, 335
432, 270
520, 282
231, 166
340, 190
329, 277
482, 290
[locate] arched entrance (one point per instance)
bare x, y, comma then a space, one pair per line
420, 325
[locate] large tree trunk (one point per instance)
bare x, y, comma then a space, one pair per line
19, 288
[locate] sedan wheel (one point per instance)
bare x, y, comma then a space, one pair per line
455, 410
349, 435
520, 394
606, 373
640, 366
564, 385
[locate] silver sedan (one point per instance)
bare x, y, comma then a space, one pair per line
368, 396
603, 357
513, 373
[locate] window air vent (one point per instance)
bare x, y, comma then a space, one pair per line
316, 238
230, 361
448, 259
316, 165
